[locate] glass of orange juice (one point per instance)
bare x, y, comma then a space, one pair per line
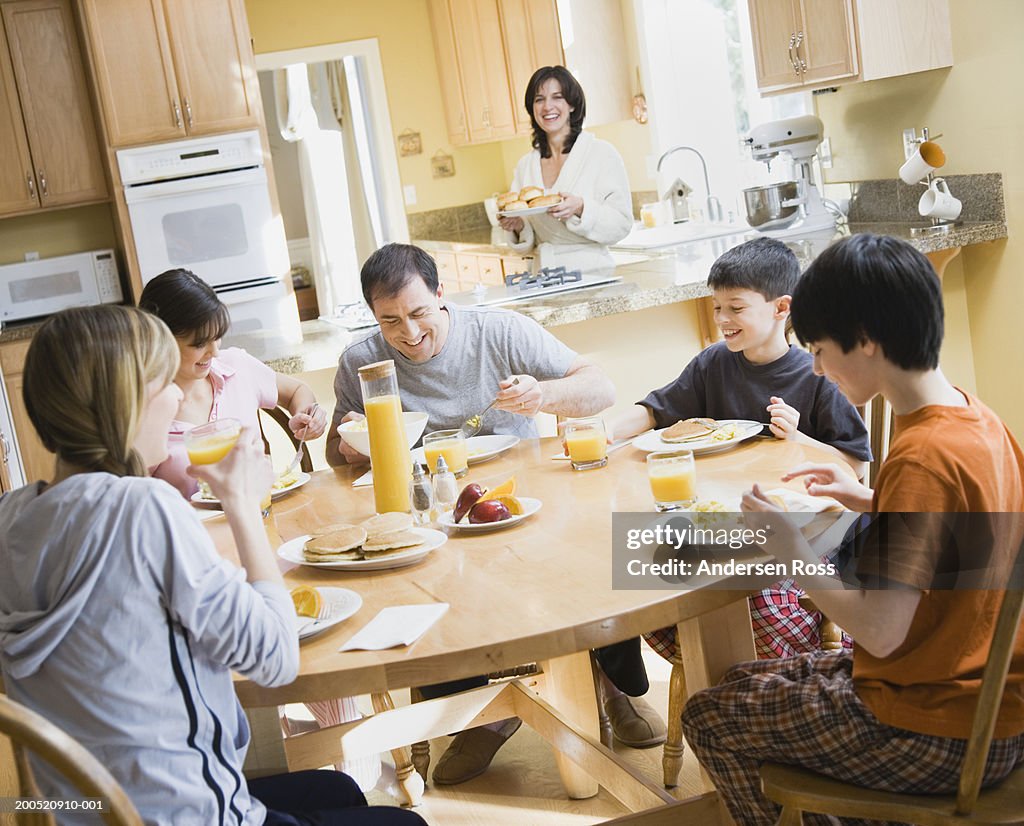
673, 478
452, 445
208, 443
587, 442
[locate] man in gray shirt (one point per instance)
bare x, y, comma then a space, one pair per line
453, 361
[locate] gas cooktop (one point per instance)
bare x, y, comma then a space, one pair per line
522, 286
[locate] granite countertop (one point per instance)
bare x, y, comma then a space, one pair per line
663, 276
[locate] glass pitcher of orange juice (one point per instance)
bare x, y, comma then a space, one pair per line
389, 448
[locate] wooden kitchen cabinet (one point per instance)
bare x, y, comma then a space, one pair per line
486, 51
168, 69
36, 460
49, 151
805, 44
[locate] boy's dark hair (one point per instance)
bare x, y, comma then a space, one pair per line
877, 288
389, 269
573, 94
187, 305
764, 265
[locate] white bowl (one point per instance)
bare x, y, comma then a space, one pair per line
356, 434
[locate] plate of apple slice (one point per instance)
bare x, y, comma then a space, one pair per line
478, 509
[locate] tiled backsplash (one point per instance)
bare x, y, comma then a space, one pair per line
894, 201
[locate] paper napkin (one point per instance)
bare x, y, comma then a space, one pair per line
206, 513
399, 625
364, 480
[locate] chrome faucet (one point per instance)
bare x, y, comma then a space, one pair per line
713, 205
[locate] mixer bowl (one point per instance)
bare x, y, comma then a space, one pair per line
772, 206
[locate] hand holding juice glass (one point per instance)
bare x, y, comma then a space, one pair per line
208, 443
673, 478
452, 445
587, 442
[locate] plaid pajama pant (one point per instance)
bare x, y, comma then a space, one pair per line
782, 626
804, 711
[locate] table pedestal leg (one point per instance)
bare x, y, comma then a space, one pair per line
568, 685
409, 781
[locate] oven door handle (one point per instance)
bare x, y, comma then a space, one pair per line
202, 183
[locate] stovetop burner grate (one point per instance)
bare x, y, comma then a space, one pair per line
546, 277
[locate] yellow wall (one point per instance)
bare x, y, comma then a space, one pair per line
976, 106
61, 232
402, 28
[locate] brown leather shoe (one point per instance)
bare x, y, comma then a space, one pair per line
471, 752
634, 722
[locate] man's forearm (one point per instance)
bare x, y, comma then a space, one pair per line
583, 393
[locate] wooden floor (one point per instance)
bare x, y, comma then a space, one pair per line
522, 785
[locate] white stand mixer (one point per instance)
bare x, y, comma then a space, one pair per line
787, 209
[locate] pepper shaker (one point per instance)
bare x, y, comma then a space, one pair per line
421, 495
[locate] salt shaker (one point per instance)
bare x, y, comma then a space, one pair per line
421, 496
446, 489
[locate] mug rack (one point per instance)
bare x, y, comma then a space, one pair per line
936, 226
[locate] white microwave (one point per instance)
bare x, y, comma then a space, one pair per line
39, 288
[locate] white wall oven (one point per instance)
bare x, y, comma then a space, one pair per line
204, 205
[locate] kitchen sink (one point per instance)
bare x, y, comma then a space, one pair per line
645, 238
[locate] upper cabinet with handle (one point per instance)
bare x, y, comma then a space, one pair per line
49, 150
809, 44
167, 69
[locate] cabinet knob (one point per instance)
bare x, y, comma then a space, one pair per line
31, 186
188, 112
42, 184
177, 116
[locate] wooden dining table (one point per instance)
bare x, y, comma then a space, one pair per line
536, 592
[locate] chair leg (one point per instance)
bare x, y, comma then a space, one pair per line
603, 721
410, 782
831, 636
790, 816
672, 756
420, 750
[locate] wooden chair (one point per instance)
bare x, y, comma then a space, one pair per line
281, 416
29, 731
799, 790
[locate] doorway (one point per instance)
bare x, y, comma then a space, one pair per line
335, 168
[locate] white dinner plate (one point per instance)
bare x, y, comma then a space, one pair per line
516, 213
530, 507
198, 499
342, 602
292, 552
745, 429
479, 448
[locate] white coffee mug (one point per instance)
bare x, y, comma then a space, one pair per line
926, 158
937, 202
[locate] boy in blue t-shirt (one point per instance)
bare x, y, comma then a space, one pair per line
755, 373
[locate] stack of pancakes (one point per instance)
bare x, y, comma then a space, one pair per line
378, 536
688, 430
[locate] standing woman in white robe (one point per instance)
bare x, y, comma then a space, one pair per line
596, 208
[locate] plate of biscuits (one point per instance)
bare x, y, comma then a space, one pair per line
530, 200
701, 435
387, 540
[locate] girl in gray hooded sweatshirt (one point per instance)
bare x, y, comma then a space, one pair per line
119, 622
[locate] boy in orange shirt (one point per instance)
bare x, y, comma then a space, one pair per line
894, 714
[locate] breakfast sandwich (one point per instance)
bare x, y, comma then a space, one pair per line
529, 192
689, 429
506, 198
545, 200
514, 206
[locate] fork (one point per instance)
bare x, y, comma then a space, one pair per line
298, 453
472, 425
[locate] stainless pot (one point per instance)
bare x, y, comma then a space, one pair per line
772, 206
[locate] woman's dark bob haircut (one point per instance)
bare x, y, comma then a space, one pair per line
573, 94
187, 305
873, 288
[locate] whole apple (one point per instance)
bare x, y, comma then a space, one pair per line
490, 510
470, 494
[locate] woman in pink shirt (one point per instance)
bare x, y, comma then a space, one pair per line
215, 383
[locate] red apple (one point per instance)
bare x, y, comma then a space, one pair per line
490, 510
469, 496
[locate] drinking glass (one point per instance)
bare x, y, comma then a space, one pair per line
452, 445
673, 478
587, 442
208, 443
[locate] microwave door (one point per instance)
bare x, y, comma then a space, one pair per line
43, 292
